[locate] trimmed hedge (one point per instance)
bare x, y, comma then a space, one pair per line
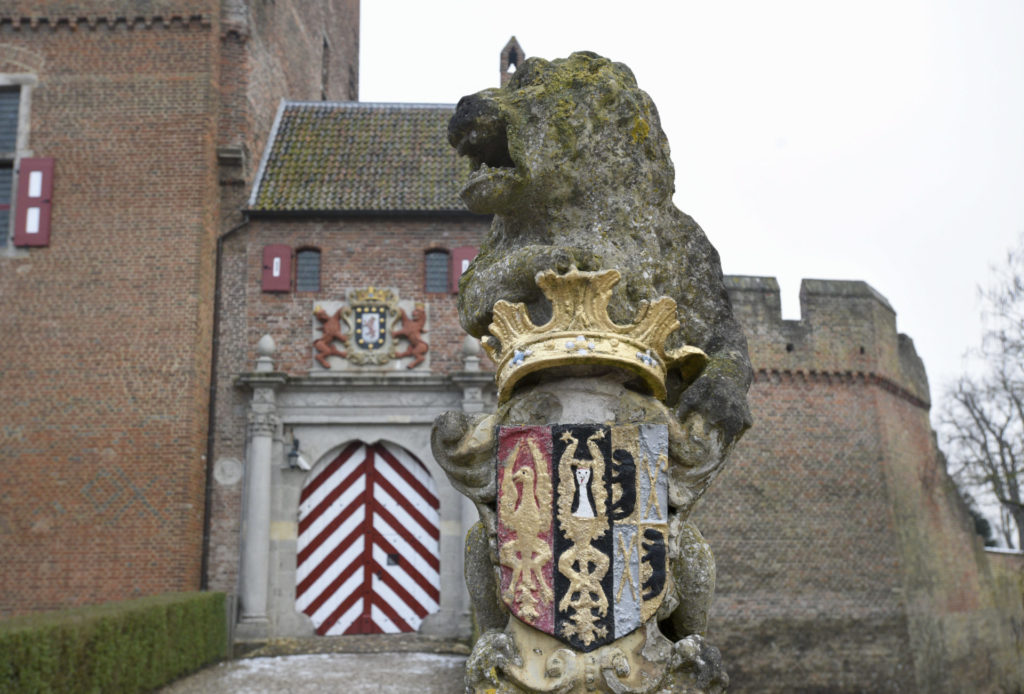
132, 646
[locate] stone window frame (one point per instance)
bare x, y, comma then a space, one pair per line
26, 82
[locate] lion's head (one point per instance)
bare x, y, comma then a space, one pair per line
571, 160
561, 134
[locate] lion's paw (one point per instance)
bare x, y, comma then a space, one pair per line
696, 666
493, 652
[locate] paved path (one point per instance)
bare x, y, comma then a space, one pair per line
350, 673
389, 664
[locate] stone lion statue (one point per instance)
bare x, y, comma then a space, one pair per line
571, 160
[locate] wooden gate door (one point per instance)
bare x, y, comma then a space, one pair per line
369, 543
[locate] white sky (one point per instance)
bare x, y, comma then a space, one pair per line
881, 141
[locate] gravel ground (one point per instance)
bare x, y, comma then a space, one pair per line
351, 673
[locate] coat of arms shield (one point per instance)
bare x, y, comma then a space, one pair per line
370, 326
583, 528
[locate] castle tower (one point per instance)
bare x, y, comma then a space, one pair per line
139, 126
512, 55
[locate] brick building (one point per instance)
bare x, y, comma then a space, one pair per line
178, 430
137, 123
340, 201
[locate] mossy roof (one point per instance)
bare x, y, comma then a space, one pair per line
360, 157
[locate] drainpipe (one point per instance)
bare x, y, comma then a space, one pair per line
212, 404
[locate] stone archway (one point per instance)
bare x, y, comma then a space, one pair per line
368, 550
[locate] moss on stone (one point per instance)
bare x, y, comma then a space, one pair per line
591, 186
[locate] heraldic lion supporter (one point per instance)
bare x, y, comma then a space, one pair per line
622, 379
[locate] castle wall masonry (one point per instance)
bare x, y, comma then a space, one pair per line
846, 328
154, 115
846, 561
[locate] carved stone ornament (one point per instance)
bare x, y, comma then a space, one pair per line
580, 332
622, 378
263, 423
583, 528
371, 314
367, 327
585, 522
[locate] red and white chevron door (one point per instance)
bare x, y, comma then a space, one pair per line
369, 543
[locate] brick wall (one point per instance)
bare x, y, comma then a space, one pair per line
104, 353
276, 50
845, 559
356, 253
156, 114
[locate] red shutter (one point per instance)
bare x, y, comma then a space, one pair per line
461, 257
277, 268
32, 206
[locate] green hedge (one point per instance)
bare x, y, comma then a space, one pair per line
133, 646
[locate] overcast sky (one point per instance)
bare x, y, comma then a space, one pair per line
881, 141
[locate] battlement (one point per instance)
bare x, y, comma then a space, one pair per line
845, 327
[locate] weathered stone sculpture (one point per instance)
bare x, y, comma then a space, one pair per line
622, 382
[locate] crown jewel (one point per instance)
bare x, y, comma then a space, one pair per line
580, 332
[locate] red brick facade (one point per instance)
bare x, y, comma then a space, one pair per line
105, 341
356, 253
846, 561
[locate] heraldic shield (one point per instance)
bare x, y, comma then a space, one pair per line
583, 528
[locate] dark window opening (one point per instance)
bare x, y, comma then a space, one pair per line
6, 184
10, 98
437, 271
325, 66
307, 270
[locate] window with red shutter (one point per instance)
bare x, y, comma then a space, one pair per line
277, 268
461, 258
33, 202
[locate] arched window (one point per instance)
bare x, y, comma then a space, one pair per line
437, 264
307, 270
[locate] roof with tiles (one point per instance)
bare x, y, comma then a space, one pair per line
360, 157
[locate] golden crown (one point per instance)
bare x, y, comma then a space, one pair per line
373, 295
580, 332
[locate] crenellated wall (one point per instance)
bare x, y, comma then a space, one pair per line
846, 561
846, 328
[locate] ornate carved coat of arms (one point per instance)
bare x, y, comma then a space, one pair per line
371, 313
370, 321
583, 528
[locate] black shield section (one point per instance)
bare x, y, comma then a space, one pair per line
624, 475
654, 553
377, 316
605, 622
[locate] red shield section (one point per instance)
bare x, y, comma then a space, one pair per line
525, 524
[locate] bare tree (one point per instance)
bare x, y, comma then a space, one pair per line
982, 419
